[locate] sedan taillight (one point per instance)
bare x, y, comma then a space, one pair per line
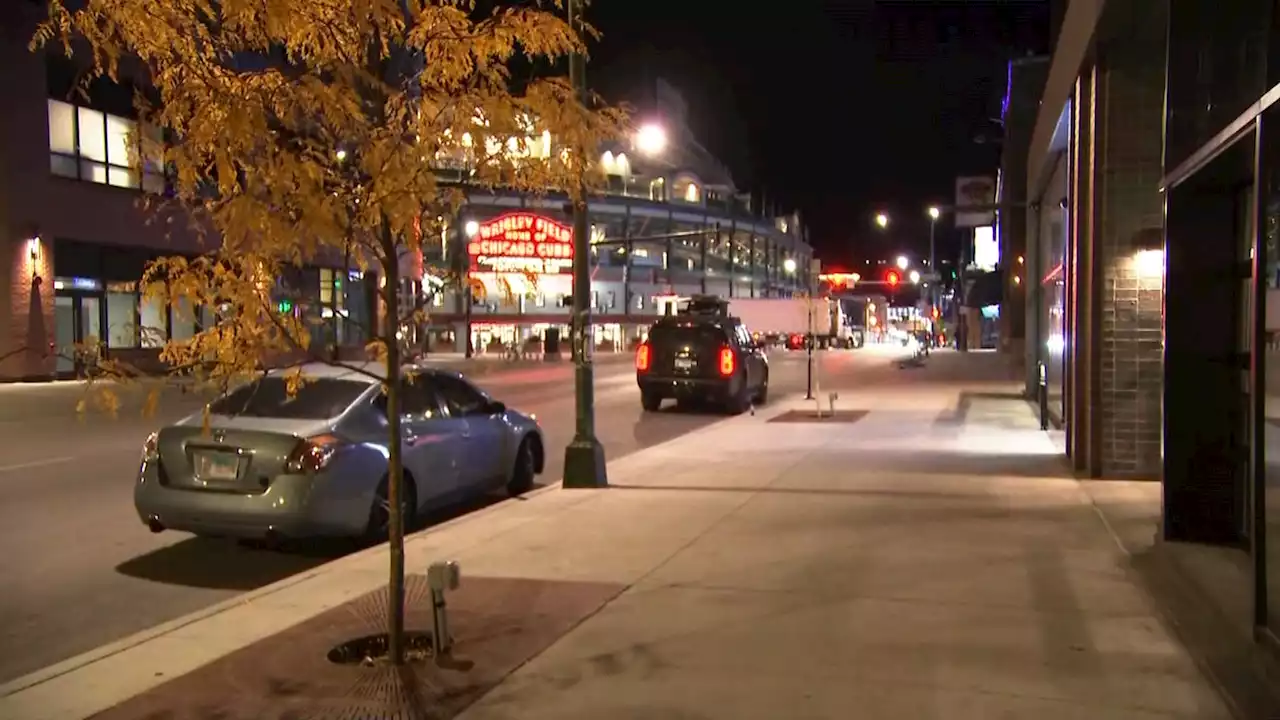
151, 448
313, 454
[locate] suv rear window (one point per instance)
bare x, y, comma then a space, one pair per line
692, 334
318, 399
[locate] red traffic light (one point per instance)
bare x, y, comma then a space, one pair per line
892, 278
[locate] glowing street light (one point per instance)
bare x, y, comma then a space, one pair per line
789, 265
903, 262
914, 277
651, 139
882, 220
471, 228
934, 213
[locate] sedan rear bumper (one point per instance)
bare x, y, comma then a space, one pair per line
288, 509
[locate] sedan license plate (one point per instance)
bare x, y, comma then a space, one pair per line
684, 363
217, 466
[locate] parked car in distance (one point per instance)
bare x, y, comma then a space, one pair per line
702, 356
315, 463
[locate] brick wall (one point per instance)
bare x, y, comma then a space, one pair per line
1129, 122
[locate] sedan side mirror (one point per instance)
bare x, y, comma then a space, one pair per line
497, 408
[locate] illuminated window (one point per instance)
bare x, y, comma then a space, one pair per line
658, 190
87, 144
691, 193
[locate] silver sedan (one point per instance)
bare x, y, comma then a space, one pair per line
314, 463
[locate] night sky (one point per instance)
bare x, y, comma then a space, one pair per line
838, 108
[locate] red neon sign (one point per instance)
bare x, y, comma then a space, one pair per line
522, 242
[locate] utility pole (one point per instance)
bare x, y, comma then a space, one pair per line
584, 465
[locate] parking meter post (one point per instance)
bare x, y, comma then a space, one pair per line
441, 576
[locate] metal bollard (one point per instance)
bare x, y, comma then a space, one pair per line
1043, 392
441, 576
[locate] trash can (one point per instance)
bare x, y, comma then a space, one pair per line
551, 344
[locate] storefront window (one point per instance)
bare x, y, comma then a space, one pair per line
1053, 289
122, 316
182, 320
153, 322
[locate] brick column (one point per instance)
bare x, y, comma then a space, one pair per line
1128, 117
26, 304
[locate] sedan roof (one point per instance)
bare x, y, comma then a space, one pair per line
366, 372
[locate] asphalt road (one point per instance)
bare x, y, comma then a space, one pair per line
78, 569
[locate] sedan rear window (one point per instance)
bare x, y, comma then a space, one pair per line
696, 335
269, 397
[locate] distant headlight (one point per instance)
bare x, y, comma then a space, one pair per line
151, 448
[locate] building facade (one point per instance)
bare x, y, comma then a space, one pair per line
74, 239
1153, 188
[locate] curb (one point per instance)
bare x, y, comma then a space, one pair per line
84, 659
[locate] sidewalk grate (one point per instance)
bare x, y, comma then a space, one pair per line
812, 416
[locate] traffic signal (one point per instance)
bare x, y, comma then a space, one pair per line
892, 278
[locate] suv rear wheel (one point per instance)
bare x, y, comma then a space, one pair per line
650, 401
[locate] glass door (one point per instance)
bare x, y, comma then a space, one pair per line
1244, 345
64, 335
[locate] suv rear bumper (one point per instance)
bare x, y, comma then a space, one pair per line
714, 389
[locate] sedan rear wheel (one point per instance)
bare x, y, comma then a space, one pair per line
379, 527
522, 476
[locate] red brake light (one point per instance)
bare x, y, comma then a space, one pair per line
728, 363
644, 357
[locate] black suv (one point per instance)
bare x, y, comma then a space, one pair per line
704, 355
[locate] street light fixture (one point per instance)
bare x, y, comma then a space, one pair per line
789, 265
651, 139
934, 213
915, 277
882, 220
471, 228
903, 262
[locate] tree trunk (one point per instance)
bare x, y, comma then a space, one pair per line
395, 466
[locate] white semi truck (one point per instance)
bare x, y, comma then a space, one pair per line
787, 321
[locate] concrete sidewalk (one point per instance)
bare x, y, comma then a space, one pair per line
928, 559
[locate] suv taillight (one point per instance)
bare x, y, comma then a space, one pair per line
644, 357
728, 362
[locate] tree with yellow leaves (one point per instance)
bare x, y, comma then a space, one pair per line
301, 132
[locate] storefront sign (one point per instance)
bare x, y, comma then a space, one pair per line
524, 243
975, 201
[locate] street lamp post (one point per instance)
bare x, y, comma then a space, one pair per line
584, 465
